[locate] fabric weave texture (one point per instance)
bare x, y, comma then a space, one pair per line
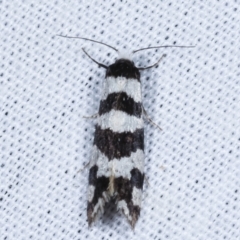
48, 85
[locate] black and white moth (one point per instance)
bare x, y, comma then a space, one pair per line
117, 162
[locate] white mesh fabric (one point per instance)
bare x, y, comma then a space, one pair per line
47, 85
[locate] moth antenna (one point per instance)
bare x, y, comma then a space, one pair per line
89, 40
98, 63
155, 64
167, 46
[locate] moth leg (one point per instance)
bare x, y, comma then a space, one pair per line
84, 167
146, 179
93, 116
150, 120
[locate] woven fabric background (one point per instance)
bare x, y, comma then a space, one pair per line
47, 85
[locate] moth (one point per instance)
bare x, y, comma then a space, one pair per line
116, 168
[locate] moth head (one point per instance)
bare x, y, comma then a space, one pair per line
127, 55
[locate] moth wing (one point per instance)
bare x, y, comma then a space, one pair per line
98, 186
129, 187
